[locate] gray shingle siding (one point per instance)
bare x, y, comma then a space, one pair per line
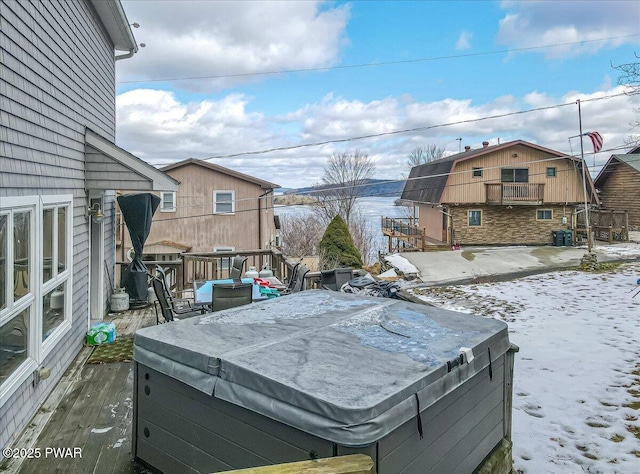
57, 76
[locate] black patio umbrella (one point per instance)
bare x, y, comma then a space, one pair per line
137, 211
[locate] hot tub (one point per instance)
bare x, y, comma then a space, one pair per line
319, 374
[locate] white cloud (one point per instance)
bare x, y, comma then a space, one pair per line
464, 41
156, 126
220, 38
536, 23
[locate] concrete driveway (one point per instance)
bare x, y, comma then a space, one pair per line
469, 263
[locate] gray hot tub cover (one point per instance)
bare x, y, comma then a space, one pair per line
344, 367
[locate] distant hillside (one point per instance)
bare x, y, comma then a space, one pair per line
373, 187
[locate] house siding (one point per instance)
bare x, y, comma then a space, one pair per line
462, 187
57, 77
194, 224
503, 226
621, 192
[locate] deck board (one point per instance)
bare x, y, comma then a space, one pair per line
95, 415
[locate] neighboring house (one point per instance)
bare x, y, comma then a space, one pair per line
214, 209
58, 162
618, 185
511, 193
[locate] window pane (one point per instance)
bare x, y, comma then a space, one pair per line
477, 172
551, 172
521, 175
224, 202
47, 244
167, 201
62, 239
21, 253
14, 338
4, 278
506, 175
475, 217
52, 310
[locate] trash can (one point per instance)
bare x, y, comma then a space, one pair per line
568, 238
558, 238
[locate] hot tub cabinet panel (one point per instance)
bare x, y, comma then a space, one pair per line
298, 379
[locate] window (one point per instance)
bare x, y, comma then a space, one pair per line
35, 282
514, 175
223, 202
551, 172
544, 214
224, 263
167, 202
477, 172
475, 218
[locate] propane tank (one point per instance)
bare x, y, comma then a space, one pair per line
119, 300
266, 272
252, 273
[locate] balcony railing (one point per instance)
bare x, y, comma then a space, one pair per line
514, 193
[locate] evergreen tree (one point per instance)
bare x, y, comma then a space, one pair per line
337, 248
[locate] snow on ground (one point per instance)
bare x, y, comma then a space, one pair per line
399, 262
576, 397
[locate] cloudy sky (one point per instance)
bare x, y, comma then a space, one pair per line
220, 78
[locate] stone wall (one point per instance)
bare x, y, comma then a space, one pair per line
508, 226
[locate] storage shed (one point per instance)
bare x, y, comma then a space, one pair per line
319, 374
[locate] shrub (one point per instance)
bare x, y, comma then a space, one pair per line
337, 248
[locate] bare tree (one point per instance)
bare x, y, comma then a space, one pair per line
630, 78
301, 234
343, 178
424, 154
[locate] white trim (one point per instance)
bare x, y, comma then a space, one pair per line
160, 181
233, 201
37, 349
173, 201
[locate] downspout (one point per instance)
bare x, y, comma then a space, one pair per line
127, 55
260, 219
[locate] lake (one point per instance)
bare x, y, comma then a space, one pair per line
373, 208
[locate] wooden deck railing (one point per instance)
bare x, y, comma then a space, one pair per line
404, 232
514, 193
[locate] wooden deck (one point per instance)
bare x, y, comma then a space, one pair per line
94, 415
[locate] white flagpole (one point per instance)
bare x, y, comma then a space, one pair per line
584, 181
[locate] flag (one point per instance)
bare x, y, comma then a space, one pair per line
596, 139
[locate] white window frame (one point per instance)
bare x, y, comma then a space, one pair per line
62, 278
215, 201
37, 349
173, 201
476, 172
224, 263
538, 218
469, 217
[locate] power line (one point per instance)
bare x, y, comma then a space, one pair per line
415, 129
484, 181
375, 64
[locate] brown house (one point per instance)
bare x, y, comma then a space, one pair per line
511, 193
215, 209
618, 185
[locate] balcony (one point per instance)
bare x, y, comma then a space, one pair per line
515, 194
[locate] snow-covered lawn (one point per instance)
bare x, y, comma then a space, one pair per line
576, 398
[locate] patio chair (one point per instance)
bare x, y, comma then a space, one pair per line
292, 278
176, 303
237, 264
231, 295
334, 279
298, 283
169, 313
